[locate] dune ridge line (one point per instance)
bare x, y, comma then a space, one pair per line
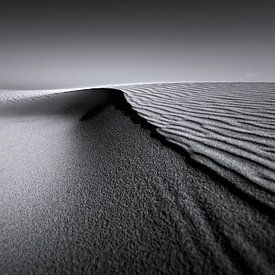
227, 127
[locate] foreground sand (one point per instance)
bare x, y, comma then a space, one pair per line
83, 188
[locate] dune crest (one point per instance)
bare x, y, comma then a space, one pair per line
227, 127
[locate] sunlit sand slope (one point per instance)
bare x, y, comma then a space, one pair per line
228, 127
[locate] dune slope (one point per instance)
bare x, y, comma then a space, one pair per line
84, 189
228, 127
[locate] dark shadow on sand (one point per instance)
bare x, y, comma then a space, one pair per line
94, 111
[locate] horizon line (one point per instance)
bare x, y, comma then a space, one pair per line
130, 84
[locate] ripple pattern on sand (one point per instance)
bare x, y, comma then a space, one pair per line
228, 127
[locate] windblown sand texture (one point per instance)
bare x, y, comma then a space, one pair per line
84, 189
228, 127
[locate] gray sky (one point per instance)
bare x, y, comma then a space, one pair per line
84, 43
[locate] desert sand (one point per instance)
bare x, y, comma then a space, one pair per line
148, 179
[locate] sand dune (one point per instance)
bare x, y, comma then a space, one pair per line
228, 127
84, 189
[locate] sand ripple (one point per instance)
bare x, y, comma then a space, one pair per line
228, 127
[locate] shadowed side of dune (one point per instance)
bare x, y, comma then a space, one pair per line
84, 189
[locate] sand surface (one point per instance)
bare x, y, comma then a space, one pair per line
84, 189
229, 127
